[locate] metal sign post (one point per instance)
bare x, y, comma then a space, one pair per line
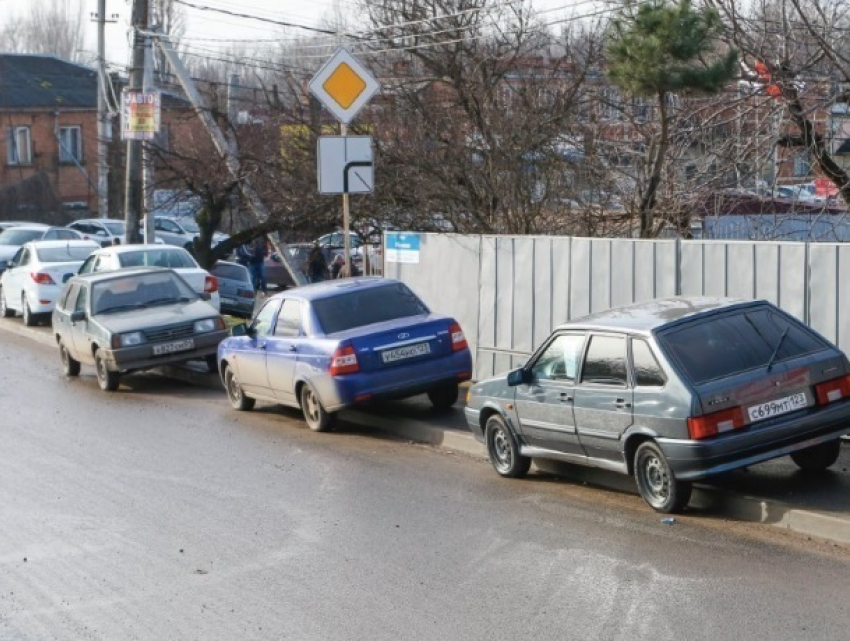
344, 86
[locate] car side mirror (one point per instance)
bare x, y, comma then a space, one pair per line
77, 316
518, 377
241, 329
10, 264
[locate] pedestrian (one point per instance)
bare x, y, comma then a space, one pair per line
243, 254
337, 265
256, 264
317, 266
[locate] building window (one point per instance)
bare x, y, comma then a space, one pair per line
70, 144
18, 146
802, 165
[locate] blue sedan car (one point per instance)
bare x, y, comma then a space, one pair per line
331, 345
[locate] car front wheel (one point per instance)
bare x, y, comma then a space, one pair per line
503, 449
443, 397
108, 380
235, 394
656, 483
70, 365
317, 417
5, 312
818, 457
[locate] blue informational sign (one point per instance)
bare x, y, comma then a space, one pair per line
402, 248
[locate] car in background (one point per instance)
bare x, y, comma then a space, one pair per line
13, 238
332, 345
6, 224
276, 273
182, 232
671, 391
106, 231
176, 258
235, 288
133, 319
36, 274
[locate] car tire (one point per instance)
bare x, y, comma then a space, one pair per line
5, 312
443, 397
818, 457
655, 480
317, 417
107, 379
235, 393
70, 365
212, 363
30, 319
503, 449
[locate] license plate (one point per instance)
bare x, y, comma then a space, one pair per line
176, 346
778, 407
400, 353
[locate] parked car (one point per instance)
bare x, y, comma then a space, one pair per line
331, 345
6, 224
106, 231
176, 258
13, 238
133, 319
276, 274
181, 232
334, 243
35, 276
671, 391
235, 288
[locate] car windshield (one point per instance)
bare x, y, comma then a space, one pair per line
116, 229
62, 254
140, 290
174, 258
367, 306
724, 345
20, 236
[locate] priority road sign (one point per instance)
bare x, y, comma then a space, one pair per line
344, 85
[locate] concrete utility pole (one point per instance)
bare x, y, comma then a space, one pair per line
134, 192
147, 156
104, 130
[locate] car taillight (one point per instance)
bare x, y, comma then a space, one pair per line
344, 361
458, 339
833, 390
42, 279
716, 423
210, 284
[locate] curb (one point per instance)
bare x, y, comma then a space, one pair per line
719, 502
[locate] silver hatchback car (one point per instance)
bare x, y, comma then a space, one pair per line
671, 391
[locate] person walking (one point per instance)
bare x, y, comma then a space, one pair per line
317, 266
257, 266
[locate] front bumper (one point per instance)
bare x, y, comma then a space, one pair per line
141, 356
693, 460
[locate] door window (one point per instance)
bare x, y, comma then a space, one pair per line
289, 319
559, 362
605, 362
82, 300
648, 372
262, 325
67, 299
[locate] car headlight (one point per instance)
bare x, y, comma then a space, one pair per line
131, 339
206, 325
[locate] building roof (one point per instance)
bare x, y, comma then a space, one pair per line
29, 81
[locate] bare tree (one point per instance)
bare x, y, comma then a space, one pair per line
50, 27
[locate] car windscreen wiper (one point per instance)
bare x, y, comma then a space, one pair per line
118, 308
776, 350
168, 300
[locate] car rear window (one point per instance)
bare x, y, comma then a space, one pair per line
362, 307
231, 272
724, 345
19, 236
62, 254
173, 258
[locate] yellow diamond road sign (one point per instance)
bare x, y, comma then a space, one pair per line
343, 85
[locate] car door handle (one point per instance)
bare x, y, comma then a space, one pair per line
620, 403
293, 348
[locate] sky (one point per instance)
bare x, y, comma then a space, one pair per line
209, 30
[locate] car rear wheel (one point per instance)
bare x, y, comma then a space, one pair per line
818, 457
656, 483
443, 397
70, 365
317, 417
503, 449
235, 394
30, 319
108, 380
5, 312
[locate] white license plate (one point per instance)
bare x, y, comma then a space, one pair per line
400, 353
176, 346
778, 407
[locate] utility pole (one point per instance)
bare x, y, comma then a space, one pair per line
104, 130
134, 193
147, 157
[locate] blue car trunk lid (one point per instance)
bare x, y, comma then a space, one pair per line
402, 342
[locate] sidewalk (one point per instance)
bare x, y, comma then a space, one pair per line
775, 493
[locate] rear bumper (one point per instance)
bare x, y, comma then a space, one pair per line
397, 382
141, 357
236, 307
692, 460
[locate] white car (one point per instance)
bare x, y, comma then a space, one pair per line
182, 232
123, 256
13, 238
106, 231
36, 274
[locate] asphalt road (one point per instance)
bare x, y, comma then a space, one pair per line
158, 513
